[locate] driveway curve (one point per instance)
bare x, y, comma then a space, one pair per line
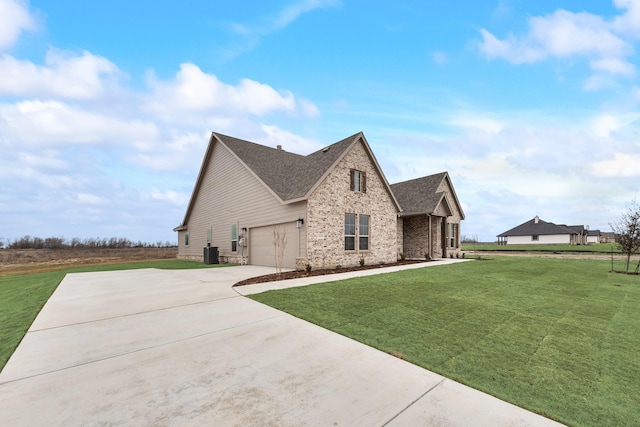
182, 347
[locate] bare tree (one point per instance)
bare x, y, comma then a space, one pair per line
627, 230
279, 245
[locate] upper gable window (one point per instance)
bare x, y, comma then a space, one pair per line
358, 181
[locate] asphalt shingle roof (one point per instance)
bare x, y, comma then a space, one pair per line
419, 195
289, 175
530, 228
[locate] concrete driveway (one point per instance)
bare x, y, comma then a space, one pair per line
176, 348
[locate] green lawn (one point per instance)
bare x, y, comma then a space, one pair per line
559, 337
22, 296
596, 247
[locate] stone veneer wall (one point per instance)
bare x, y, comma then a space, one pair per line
332, 199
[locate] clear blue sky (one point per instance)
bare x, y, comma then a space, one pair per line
106, 107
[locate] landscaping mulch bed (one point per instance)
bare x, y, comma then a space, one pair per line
301, 273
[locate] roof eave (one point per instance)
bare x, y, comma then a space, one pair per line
409, 214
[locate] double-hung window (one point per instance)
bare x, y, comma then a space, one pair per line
363, 232
350, 232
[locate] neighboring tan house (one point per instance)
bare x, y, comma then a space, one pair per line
539, 232
332, 207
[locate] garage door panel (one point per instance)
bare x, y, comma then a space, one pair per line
261, 249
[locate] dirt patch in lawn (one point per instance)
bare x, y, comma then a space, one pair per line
285, 275
13, 261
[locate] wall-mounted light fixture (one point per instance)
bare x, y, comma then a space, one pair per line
244, 230
299, 222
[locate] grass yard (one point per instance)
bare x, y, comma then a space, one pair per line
22, 296
559, 337
603, 248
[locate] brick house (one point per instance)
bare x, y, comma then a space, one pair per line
332, 207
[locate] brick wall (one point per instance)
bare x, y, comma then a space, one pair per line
416, 236
332, 199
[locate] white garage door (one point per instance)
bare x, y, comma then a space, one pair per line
261, 248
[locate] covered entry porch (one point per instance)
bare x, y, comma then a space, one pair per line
424, 236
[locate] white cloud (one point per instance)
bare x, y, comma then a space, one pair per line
605, 124
613, 66
630, 20
89, 199
621, 166
597, 82
54, 123
292, 12
64, 75
273, 136
14, 19
251, 34
561, 34
173, 197
565, 34
194, 90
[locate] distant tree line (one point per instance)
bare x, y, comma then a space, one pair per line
29, 242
